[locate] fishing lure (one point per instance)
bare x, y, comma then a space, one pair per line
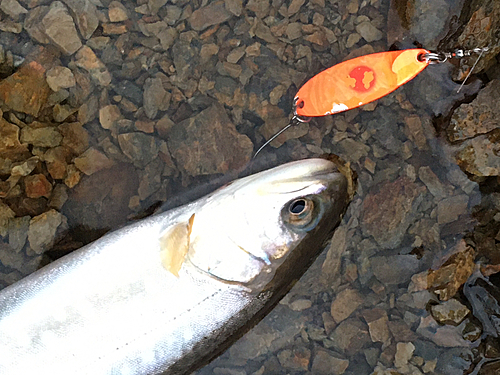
362, 80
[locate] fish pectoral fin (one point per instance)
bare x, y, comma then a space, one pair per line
174, 245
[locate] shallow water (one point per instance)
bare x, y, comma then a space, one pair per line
363, 306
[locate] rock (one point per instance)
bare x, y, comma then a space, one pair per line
9, 26
295, 359
55, 160
60, 77
300, 304
60, 28
37, 186
18, 232
117, 12
369, 32
416, 131
328, 363
173, 14
209, 15
155, 5
480, 116
354, 150
5, 215
10, 147
234, 6
75, 137
59, 196
150, 178
330, 270
155, 97
259, 7
208, 143
235, 55
444, 336
26, 90
12, 8
350, 336
92, 161
86, 59
139, 147
388, 213
479, 156
394, 269
275, 124
345, 303
447, 279
449, 312
86, 16
404, 352
42, 230
449, 209
47, 136
25, 168
109, 115
377, 321
432, 182
33, 24
130, 91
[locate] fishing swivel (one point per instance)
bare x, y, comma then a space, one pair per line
441, 57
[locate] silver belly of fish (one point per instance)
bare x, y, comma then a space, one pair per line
165, 293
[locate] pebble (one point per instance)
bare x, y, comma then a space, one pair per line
59, 27
18, 232
5, 215
109, 115
10, 146
12, 8
377, 321
155, 97
138, 147
92, 161
327, 363
46, 136
449, 209
449, 312
234, 6
404, 352
345, 303
42, 230
87, 59
117, 12
209, 15
60, 77
37, 186
86, 16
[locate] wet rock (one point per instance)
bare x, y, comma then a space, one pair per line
46, 136
447, 336
404, 352
234, 6
86, 59
42, 230
155, 5
377, 321
295, 359
447, 279
150, 178
18, 232
330, 269
155, 97
86, 16
60, 28
479, 156
369, 32
60, 77
139, 147
449, 312
432, 182
478, 117
394, 269
117, 12
354, 150
345, 303
92, 161
109, 115
388, 213
101, 200
259, 7
12, 8
449, 209
209, 15
75, 137
26, 90
5, 215
59, 197
350, 336
10, 147
328, 363
275, 124
37, 186
209, 143
9, 258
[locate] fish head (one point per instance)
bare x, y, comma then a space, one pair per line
246, 230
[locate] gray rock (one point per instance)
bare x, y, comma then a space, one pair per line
350, 336
10, 258
60, 77
139, 147
450, 312
404, 352
345, 303
433, 183
150, 178
117, 12
451, 208
109, 115
369, 32
154, 97
295, 359
41, 137
394, 269
92, 161
209, 15
86, 16
328, 363
377, 321
87, 59
60, 28
42, 230
12, 8
155, 5
354, 150
18, 232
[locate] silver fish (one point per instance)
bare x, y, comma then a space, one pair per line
168, 293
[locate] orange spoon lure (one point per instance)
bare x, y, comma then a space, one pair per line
358, 81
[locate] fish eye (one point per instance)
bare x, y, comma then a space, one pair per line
300, 213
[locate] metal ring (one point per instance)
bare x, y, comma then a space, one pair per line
435, 58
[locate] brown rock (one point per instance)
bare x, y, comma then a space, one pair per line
209, 143
37, 186
377, 321
86, 16
345, 303
10, 147
388, 212
117, 12
479, 156
86, 59
92, 161
75, 137
60, 77
209, 15
26, 90
108, 115
60, 28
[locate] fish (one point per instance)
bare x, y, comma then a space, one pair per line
167, 294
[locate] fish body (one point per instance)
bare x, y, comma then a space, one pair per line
165, 294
